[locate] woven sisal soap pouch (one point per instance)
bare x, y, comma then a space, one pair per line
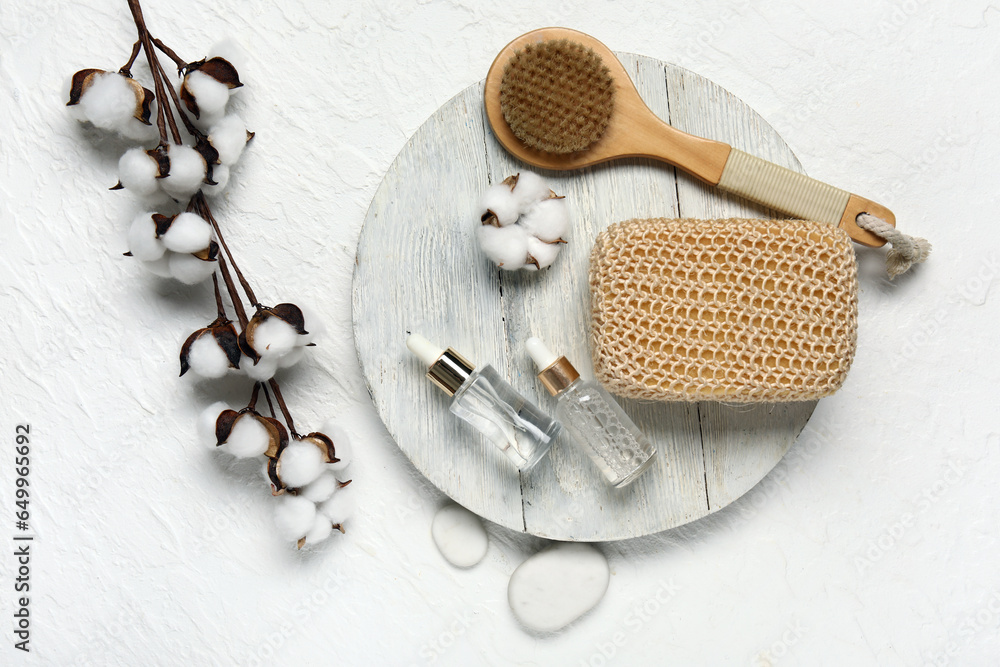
737, 310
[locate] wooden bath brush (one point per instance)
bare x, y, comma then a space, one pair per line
559, 99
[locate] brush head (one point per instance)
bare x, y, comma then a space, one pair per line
557, 96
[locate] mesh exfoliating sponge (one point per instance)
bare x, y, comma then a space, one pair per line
738, 310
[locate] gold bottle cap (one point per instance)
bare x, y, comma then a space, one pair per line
450, 371
558, 375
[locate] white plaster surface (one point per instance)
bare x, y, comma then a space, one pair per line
874, 542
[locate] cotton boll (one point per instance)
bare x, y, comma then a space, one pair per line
220, 174
300, 463
210, 94
506, 246
502, 202
137, 172
248, 438
262, 371
206, 422
188, 233
292, 358
341, 445
339, 506
320, 530
232, 51
320, 488
229, 137
274, 338
294, 516
135, 130
109, 102
187, 172
548, 220
142, 241
314, 325
530, 189
207, 358
543, 253
189, 269
159, 267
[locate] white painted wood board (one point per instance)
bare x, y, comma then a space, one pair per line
418, 270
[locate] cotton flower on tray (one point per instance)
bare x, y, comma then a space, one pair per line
523, 223
199, 143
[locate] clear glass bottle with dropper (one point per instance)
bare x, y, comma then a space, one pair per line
486, 401
593, 418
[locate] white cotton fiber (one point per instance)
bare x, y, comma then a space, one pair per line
159, 267
339, 506
142, 241
548, 220
294, 516
187, 172
530, 189
220, 174
263, 370
300, 463
109, 102
314, 325
188, 233
189, 269
229, 137
292, 358
206, 423
506, 246
543, 253
320, 488
137, 131
502, 202
341, 445
248, 438
210, 95
206, 358
320, 530
137, 171
274, 338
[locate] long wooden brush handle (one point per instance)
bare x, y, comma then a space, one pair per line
799, 196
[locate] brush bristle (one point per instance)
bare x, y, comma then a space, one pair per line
557, 96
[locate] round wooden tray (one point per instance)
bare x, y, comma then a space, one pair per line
419, 271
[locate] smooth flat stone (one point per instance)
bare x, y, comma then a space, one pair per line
558, 585
459, 535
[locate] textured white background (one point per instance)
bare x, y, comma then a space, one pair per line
874, 542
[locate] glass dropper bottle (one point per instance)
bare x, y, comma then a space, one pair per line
593, 418
485, 400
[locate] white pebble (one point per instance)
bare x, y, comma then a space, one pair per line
210, 94
248, 438
558, 585
142, 241
294, 516
300, 463
207, 420
262, 371
137, 172
507, 246
188, 233
339, 507
321, 488
189, 269
320, 530
502, 202
543, 253
459, 535
274, 338
530, 189
207, 358
159, 267
187, 172
548, 220
341, 445
229, 137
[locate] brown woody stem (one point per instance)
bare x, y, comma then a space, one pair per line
267, 395
207, 214
234, 295
219, 306
127, 67
253, 397
281, 404
188, 125
170, 54
163, 114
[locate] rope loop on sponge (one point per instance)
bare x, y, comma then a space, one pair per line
906, 250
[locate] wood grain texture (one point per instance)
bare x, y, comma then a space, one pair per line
419, 271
